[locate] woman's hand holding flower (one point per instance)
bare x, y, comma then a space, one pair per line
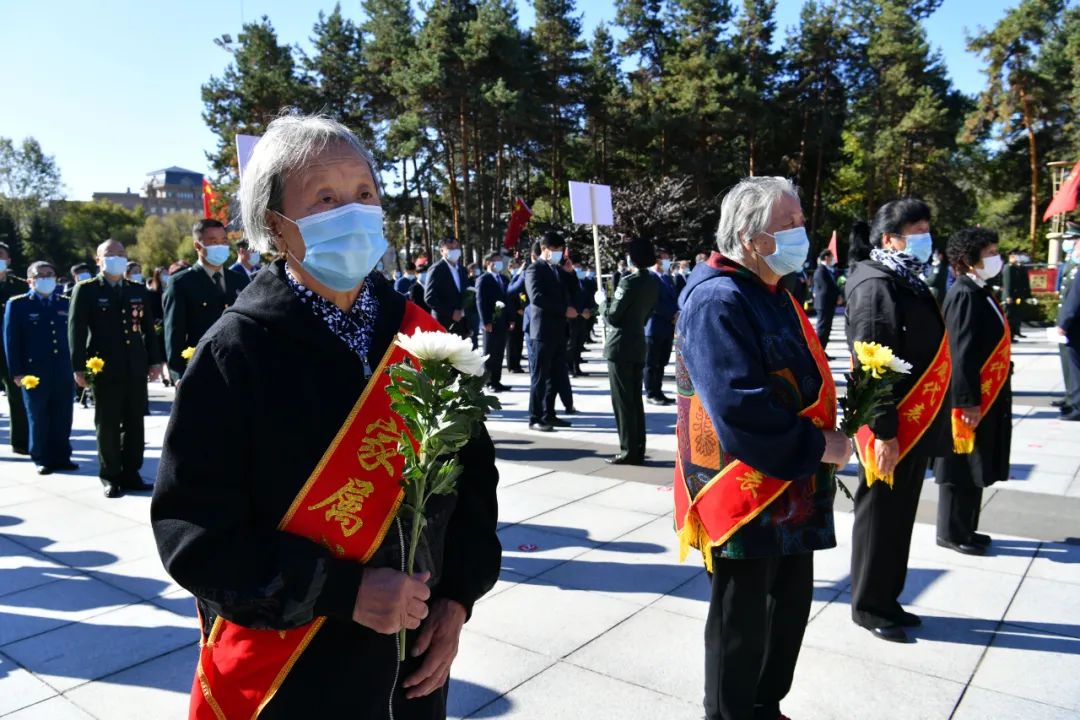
389, 600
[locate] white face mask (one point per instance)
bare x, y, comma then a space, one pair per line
453, 255
991, 267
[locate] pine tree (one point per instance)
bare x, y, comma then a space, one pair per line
604, 100
337, 74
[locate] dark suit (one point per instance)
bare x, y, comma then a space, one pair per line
444, 296
115, 323
19, 428
660, 333
1069, 320
515, 307
625, 315
192, 305
491, 289
35, 339
546, 316
1016, 290
403, 283
826, 293
242, 273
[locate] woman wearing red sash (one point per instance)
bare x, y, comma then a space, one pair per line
756, 412
276, 497
889, 303
979, 338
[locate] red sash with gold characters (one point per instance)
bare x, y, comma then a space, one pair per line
347, 504
992, 377
916, 413
738, 493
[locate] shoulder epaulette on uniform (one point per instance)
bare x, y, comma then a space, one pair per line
83, 282
13, 298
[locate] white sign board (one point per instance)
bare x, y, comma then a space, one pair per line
590, 204
245, 145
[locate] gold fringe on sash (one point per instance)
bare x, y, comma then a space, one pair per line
693, 535
963, 435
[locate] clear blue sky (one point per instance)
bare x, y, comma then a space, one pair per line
111, 89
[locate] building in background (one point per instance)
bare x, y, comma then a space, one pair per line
167, 191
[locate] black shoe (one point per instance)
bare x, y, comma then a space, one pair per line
1060, 403
892, 633
112, 490
499, 387
623, 460
661, 400
570, 411
138, 485
966, 548
909, 620
980, 539
1072, 416
67, 467
559, 422
44, 470
540, 427
516, 371
495, 388
20, 451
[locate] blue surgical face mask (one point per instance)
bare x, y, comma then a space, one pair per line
791, 249
254, 258
3, 265
580, 273
165, 278
556, 257
422, 277
919, 246
115, 265
217, 254
498, 264
665, 264
83, 276
1066, 247
453, 255
136, 277
45, 285
342, 245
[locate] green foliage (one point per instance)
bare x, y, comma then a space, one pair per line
163, 240
89, 224
29, 180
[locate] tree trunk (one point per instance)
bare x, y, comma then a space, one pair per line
816, 204
405, 207
451, 171
1033, 166
423, 211
466, 197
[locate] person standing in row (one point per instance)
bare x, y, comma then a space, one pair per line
981, 392
1070, 246
444, 290
516, 302
111, 319
35, 343
549, 308
197, 297
247, 263
826, 293
490, 292
626, 350
79, 272
1015, 291
18, 425
404, 283
889, 303
660, 330
1068, 327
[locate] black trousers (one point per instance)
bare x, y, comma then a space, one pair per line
118, 418
18, 425
625, 379
1015, 314
494, 347
958, 512
515, 343
758, 612
657, 355
826, 313
880, 542
547, 360
1071, 360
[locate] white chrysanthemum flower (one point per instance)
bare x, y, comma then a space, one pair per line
899, 366
443, 347
499, 304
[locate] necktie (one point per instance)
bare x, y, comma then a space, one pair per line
217, 283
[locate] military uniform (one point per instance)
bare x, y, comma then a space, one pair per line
36, 343
192, 304
1016, 290
626, 315
19, 429
115, 323
1068, 277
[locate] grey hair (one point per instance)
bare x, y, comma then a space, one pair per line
746, 209
289, 143
35, 266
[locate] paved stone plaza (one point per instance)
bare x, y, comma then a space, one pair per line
594, 616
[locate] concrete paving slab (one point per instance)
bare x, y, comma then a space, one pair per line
20, 687
486, 669
1032, 665
157, 688
979, 704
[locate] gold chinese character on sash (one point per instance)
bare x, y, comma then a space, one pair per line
942, 372
931, 389
379, 445
914, 413
986, 386
751, 481
997, 368
344, 506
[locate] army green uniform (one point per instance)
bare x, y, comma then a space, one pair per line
1068, 277
625, 315
115, 323
19, 429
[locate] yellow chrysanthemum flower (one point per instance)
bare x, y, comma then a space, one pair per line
187, 352
30, 381
874, 358
95, 365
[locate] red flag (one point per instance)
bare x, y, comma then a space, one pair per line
207, 198
1065, 200
519, 218
832, 247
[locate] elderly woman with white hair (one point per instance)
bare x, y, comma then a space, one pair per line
279, 480
753, 483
